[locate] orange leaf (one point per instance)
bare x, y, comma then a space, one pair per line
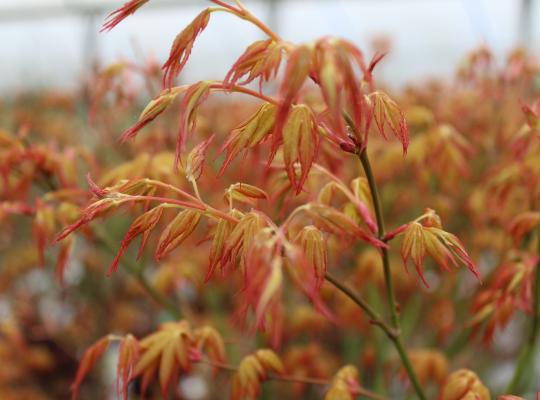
182, 46
177, 231
89, 359
195, 160
300, 144
128, 354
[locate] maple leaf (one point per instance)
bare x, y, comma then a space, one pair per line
388, 115
300, 144
128, 354
167, 353
196, 158
118, 15
260, 60
244, 193
464, 384
142, 225
249, 134
254, 369
425, 236
209, 340
345, 385
153, 109
178, 230
314, 251
182, 46
88, 360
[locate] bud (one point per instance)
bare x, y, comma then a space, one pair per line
464, 384
348, 147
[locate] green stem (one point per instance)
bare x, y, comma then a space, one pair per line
375, 317
391, 299
392, 304
136, 272
527, 351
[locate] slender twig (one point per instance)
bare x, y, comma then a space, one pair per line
195, 199
392, 304
381, 232
134, 270
363, 304
290, 378
390, 295
244, 14
240, 89
527, 351
167, 200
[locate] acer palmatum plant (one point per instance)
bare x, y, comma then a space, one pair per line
264, 251
295, 246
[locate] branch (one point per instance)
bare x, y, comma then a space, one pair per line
291, 378
390, 295
244, 14
350, 293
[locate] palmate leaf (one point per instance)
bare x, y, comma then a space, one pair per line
345, 384
254, 369
424, 236
89, 359
165, 354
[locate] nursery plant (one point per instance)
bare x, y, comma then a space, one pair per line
309, 236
